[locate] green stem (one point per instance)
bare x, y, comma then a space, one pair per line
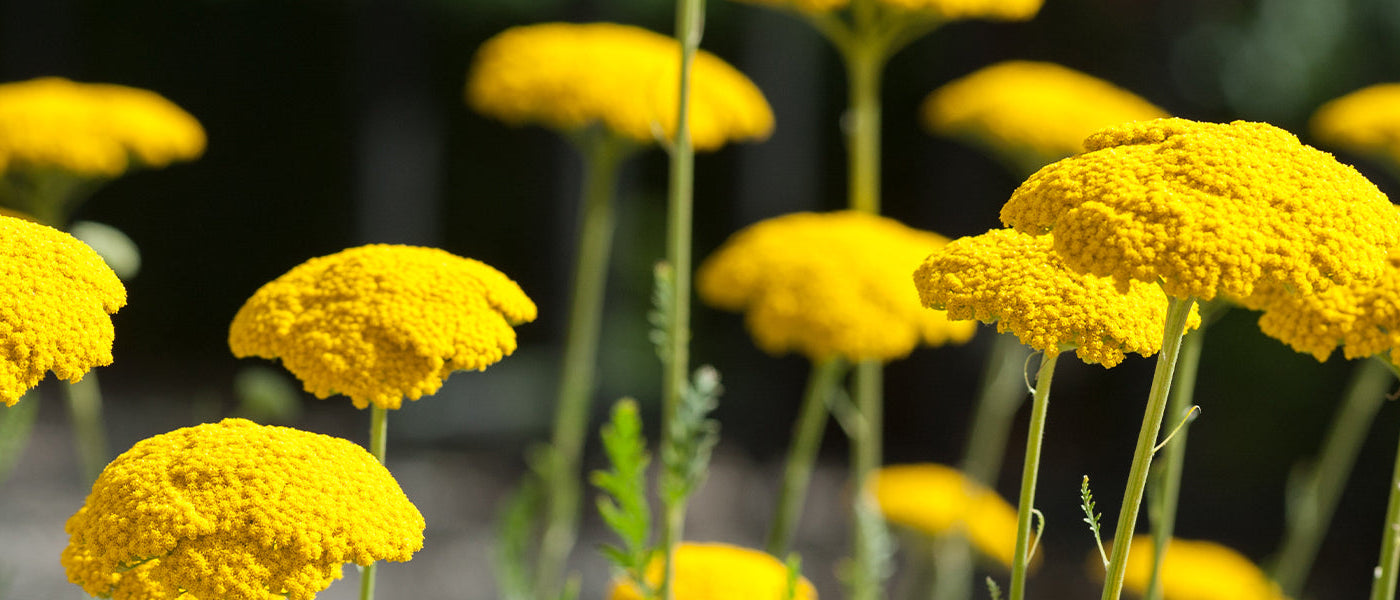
85, 409
952, 567
802, 453
378, 443
16, 425
1029, 472
1003, 391
865, 458
1383, 588
865, 60
1177, 311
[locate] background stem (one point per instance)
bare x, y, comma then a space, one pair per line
90, 437
802, 453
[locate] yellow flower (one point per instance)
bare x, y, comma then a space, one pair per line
1208, 208
1367, 120
237, 510
1198, 570
91, 129
569, 76
829, 284
1017, 281
935, 500
946, 10
1363, 317
1031, 113
380, 322
720, 572
55, 297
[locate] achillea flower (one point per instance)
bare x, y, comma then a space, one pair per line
380, 322
1018, 282
569, 76
832, 284
1367, 121
1363, 317
55, 297
92, 129
947, 10
935, 499
1031, 113
237, 510
1198, 570
720, 572
1208, 208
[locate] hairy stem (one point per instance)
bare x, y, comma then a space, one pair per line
1029, 472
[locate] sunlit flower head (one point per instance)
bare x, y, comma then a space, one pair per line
720, 572
935, 500
1365, 121
1363, 317
56, 295
1208, 208
1018, 282
828, 284
1197, 570
945, 10
568, 76
1031, 113
379, 323
237, 510
92, 129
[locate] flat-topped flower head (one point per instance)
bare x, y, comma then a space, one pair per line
1198, 570
944, 10
1208, 208
92, 129
379, 323
56, 295
1031, 113
828, 285
569, 76
1018, 282
935, 500
709, 571
1363, 317
1365, 121
236, 510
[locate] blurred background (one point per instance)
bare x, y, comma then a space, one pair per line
337, 123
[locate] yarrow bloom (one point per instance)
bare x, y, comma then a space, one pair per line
1198, 570
1207, 209
92, 129
948, 10
569, 76
1018, 282
1031, 113
237, 510
720, 572
935, 500
828, 284
1367, 120
56, 295
1363, 317
381, 322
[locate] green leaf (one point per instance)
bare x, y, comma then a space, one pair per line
515, 527
691, 437
623, 504
663, 309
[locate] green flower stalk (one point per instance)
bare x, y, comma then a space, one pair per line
823, 382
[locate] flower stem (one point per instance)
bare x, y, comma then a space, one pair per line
16, 425
378, 442
802, 453
1383, 588
1029, 472
865, 59
865, 458
85, 409
1003, 390
1177, 311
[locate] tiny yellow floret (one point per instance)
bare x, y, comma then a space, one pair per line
92, 129
942, 10
710, 571
937, 500
1208, 209
1018, 282
56, 295
237, 511
568, 76
1197, 570
829, 284
1365, 121
1363, 317
379, 323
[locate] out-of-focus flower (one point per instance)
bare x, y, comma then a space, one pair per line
237, 510
1366, 121
1018, 282
720, 572
569, 76
829, 284
1363, 317
935, 500
56, 295
381, 322
1208, 208
1197, 570
946, 10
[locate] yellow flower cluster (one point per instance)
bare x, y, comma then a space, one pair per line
948, 10
91, 129
1018, 282
807, 6
1198, 570
1367, 120
55, 297
936, 499
569, 76
1363, 317
1031, 113
828, 284
1208, 208
381, 322
237, 510
720, 572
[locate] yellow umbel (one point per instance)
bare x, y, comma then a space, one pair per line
720, 572
935, 500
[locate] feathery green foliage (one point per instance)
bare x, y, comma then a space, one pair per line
1086, 502
690, 437
624, 503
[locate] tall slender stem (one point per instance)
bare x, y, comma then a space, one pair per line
1177, 311
1388, 565
378, 443
1165, 485
802, 453
1029, 472
85, 410
865, 458
865, 59
16, 425
1002, 392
